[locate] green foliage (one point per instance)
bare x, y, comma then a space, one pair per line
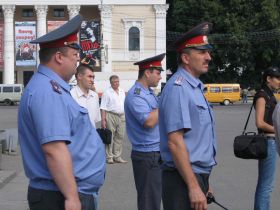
237, 56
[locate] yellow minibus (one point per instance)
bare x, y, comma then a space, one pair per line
222, 93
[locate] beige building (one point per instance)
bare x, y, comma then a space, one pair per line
131, 31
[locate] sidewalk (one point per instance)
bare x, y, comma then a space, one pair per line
13, 183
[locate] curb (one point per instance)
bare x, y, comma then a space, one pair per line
5, 177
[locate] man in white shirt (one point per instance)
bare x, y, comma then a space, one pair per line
112, 114
83, 94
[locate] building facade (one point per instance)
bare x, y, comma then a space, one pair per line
129, 31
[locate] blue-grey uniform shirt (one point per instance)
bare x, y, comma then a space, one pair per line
48, 113
138, 104
183, 106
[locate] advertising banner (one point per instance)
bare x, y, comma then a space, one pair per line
54, 25
90, 44
1, 44
25, 52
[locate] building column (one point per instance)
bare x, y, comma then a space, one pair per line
73, 10
9, 48
106, 27
41, 11
160, 10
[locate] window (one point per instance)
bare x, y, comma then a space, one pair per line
58, 12
205, 90
134, 39
215, 89
7, 89
236, 89
27, 13
227, 89
17, 89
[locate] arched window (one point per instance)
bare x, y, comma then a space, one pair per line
134, 39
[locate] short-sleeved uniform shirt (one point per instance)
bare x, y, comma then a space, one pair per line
182, 105
138, 104
48, 113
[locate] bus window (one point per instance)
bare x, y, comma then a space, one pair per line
227, 89
215, 89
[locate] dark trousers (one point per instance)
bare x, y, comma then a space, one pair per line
54, 200
175, 195
147, 177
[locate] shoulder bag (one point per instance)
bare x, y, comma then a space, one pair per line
250, 145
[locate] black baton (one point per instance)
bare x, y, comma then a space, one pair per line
210, 198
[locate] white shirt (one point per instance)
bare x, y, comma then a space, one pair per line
90, 102
113, 102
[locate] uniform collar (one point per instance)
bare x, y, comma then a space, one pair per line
146, 90
53, 76
195, 82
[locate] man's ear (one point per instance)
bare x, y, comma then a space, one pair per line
185, 58
58, 57
147, 73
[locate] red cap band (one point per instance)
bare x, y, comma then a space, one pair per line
149, 65
193, 42
71, 39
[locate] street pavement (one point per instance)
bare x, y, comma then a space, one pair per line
233, 180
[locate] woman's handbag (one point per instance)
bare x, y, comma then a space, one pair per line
250, 145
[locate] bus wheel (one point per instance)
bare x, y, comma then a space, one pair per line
226, 102
7, 102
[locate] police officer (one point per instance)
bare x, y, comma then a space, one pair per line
63, 156
188, 139
141, 112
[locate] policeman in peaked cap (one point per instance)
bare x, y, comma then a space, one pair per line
187, 133
58, 142
141, 113
195, 38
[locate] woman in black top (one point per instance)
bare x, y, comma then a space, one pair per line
265, 102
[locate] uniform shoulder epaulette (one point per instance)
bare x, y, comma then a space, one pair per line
137, 91
55, 86
179, 80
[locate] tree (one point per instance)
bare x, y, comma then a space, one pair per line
245, 36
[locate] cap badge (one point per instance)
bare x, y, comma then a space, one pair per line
205, 39
55, 86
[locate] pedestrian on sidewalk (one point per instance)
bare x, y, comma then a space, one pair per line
113, 118
245, 95
63, 156
83, 93
264, 103
141, 111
